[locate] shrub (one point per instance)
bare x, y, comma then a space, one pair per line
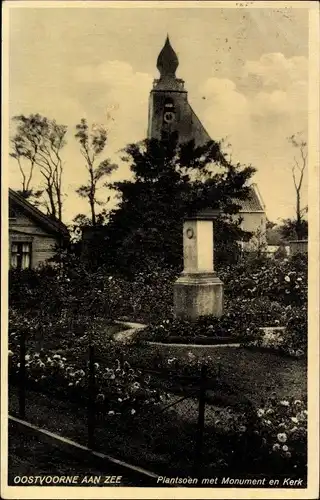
284, 280
148, 297
296, 336
258, 292
74, 291
242, 319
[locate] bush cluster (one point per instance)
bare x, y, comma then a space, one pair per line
281, 280
74, 292
258, 293
73, 299
272, 437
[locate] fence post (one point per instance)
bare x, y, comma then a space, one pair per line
22, 375
91, 398
201, 415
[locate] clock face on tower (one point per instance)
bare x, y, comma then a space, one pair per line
169, 111
168, 116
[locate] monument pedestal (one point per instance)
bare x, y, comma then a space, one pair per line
198, 291
198, 294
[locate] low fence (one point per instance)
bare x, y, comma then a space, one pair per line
298, 246
180, 424
171, 436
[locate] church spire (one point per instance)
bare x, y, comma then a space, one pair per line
167, 61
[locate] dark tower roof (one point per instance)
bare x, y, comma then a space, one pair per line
167, 61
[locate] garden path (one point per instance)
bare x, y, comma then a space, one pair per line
127, 334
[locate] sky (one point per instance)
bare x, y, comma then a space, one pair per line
245, 69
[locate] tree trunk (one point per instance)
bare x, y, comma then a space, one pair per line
92, 208
51, 201
91, 197
298, 224
59, 203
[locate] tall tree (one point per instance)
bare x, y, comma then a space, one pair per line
37, 145
298, 172
92, 145
171, 181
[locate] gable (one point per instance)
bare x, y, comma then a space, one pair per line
26, 216
22, 222
253, 203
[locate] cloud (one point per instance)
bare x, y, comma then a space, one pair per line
271, 88
256, 109
270, 103
275, 70
257, 112
114, 89
225, 106
283, 85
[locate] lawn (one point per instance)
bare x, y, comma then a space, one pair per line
254, 374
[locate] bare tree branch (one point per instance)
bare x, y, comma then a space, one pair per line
298, 170
39, 141
92, 144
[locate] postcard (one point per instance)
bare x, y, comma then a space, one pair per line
160, 236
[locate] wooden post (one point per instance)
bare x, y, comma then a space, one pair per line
22, 376
201, 417
91, 398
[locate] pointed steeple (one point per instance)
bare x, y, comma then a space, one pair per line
167, 61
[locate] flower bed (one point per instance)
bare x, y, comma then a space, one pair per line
242, 323
126, 396
273, 293
274, 439
118, 388
268, 439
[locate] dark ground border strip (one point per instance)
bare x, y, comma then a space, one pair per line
139, 476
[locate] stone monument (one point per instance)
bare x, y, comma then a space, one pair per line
198, 291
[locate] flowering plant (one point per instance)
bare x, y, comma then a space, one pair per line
285, 280
271, 437
118, 388
282, 426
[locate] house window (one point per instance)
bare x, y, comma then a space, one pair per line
21, 255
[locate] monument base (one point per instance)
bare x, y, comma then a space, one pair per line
198, 294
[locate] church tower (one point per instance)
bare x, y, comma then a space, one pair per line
169, 109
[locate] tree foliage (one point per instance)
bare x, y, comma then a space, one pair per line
37, 145
92, 145
172, 181
288, 229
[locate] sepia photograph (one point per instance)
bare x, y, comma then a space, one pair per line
160, 237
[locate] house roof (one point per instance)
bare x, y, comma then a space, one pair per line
51, 225
253, 203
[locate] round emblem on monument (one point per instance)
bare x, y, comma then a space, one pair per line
190, 233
